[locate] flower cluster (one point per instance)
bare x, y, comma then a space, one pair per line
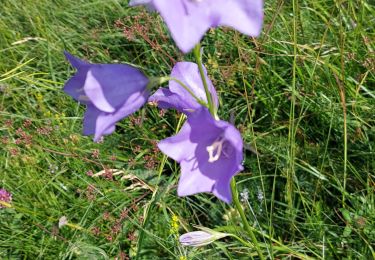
209, 150
5, 197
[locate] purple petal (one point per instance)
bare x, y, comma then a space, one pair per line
107, 120
76, 63
109, 85
166, 99
178, 146
196, 238
90, 120
74, 86
192, 180
222, 190
245, 16
101, 123
188, 73
188, 20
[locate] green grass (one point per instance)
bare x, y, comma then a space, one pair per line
302, 94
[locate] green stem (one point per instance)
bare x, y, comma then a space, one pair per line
212, 109
243, 218
198, 58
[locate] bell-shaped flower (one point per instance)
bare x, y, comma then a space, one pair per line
111, 92
201, 238
188, 20
177, 97
210, 153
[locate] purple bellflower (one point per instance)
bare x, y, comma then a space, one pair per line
110, 92
188, 20
210, 153
177, 97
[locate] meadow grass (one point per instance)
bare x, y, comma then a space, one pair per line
302, 95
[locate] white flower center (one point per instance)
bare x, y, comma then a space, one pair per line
215, 150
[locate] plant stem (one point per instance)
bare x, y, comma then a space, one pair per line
198, 58
233, 182
243, 218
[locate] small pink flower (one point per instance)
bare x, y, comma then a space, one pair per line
5, 196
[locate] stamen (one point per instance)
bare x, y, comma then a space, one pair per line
214, 150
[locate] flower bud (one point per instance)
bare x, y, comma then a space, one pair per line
201, 238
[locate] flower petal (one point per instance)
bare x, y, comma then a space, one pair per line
245, 16
74, 86
76, 63
106, 121
166, 99
186, 21
196, 238
108, 86
90, 120
99, 123
178, 146
188, 73
222, 190
95, 93
192, 180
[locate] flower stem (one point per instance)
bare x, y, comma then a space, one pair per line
198, 58
243, 218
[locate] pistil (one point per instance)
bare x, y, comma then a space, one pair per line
215, 150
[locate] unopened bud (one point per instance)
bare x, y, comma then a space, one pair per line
201, 238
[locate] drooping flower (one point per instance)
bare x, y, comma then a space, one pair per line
201, 238
210, 153
188, 20
5, 197
177, 97
111, 92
